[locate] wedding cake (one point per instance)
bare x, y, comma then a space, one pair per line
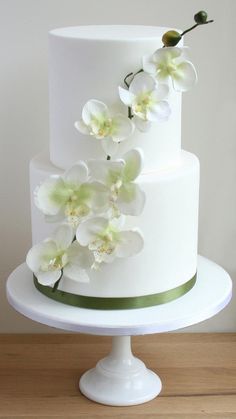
115, 200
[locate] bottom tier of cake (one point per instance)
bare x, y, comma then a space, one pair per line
169, 224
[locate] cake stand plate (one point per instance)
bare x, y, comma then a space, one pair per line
121, 379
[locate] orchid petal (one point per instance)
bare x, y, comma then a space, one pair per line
99, 169
149, 65
93, 109
51, 195
142, 125
82, 127
126, 96
118, 223
131, 242
185, 77
131, 199
166, 54
159, 112
133, 165
142, 82
38, 252
88, 230
100, 197
77, 174
109, 258
48, 278
80, 255
124, 128
184, 54
33, 258
161, 92
63, 236
75, 273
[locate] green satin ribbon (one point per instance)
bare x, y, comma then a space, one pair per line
116, 303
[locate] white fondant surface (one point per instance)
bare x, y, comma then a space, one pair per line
90, 63
211, 293
111, 32
169, 224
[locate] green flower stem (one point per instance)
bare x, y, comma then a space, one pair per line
130, 115
189, 29
194, 26
172, 38
131, 74
139, 71
125, 79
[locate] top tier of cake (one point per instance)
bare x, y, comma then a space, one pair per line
90, 62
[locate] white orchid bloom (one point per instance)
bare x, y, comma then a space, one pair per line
71, 196
106, 241
126, 197
171, 62
98, 122
146, 97
59, 253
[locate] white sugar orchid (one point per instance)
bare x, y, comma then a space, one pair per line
107, 242
171, 62
146, 97
99, 123
71, 197
126, 196
58, 254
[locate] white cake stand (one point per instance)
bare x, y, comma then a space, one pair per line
121, 379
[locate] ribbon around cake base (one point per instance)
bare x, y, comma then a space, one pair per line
116, 303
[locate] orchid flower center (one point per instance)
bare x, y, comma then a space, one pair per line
104, 127
115, 188
75, 213
171, 67
77, 201
115, 181
142, 103
167, 67
104, 244
56, 262
73, 197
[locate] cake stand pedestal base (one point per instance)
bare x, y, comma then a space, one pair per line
120, 379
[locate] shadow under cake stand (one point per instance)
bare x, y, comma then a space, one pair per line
120, 379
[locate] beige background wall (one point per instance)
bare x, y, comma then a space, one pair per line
209, 120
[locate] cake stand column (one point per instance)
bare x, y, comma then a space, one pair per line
120, 379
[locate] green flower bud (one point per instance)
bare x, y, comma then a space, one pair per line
171, 38
200, 17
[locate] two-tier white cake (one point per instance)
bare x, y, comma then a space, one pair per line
91, 62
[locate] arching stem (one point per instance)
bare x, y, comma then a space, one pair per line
194, 26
